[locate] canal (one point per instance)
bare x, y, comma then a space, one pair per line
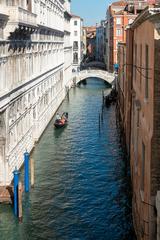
82, 189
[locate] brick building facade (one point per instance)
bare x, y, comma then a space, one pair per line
145, 127
124, 84
118, 18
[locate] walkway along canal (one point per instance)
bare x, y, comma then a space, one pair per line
82, 183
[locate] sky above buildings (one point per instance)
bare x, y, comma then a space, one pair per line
92, 11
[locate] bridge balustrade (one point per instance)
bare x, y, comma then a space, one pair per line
106, 76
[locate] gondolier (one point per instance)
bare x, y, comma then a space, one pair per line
61, 121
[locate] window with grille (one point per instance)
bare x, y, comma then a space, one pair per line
118, 32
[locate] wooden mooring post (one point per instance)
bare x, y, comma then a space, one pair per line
32, 172
20, 190
99, 122
102, 97
26, 171
16, 174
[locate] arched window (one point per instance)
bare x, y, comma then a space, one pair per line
75, 58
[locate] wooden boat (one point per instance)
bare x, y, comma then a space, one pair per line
59, 123
111, 98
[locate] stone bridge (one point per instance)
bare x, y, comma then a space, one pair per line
104, 75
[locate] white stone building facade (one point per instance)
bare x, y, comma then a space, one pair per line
77, 43
35, 69
67, 45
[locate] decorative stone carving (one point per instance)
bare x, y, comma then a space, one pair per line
2, 129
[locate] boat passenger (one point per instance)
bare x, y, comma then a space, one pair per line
64, 117
58, 117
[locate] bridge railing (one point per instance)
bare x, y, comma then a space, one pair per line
108, 77
101, 72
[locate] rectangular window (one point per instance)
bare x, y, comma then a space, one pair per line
146, 72
141, 72
136, 136
75, 33
75, 23
143, 166
118, 32
75, 58
118, 21
1, 33
137, 118
75, 45
135, 62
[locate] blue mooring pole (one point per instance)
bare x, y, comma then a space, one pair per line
16, 181
26, 171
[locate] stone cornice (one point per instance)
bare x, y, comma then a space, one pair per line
3, 20
70, 47
19, 88
4, 16
140, 18
67, 32
155, 18
41, 27
67, 15
149, 13
30, 41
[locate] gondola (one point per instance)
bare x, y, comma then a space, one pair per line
59, 123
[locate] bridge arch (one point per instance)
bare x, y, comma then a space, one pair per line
91, 73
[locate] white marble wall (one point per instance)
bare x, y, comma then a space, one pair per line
34, 74
67, 46
68, 67
76, 35
29, 115
49, 13
26, 64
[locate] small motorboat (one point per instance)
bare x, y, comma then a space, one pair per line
61, 121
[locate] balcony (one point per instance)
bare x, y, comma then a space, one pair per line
20, 16
27, 18
3, 20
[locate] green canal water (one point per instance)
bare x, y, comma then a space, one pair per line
82, 182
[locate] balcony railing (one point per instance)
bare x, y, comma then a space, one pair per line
75, 48
75, 61
21, 16
26, 17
